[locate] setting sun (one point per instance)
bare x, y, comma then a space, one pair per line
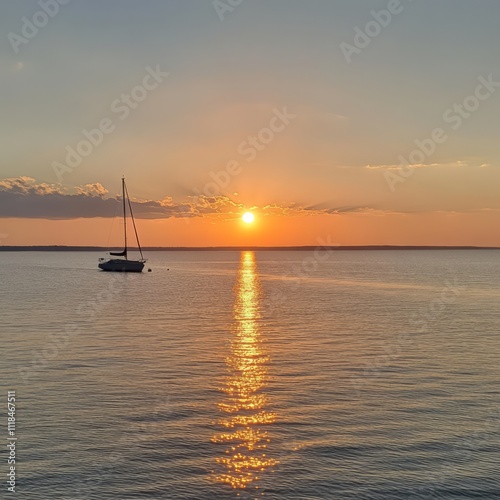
248, 217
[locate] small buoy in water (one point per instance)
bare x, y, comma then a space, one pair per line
149, 270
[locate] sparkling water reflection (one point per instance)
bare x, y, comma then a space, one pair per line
245, 406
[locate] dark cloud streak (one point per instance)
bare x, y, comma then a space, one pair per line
22, 197
59, 206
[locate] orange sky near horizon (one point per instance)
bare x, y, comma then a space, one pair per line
447, 229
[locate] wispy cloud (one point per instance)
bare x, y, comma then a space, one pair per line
455, 164
324, 208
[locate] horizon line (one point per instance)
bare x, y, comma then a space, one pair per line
76, 248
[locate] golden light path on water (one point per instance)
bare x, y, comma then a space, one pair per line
244, 407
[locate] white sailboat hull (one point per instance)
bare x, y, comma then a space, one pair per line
121, 265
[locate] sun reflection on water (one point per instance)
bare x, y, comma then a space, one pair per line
244, 407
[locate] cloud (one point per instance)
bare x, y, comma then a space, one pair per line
455, 164
95, 189
327, 209
296, 209
23, 197
27, 186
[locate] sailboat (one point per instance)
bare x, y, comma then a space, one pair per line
124, 265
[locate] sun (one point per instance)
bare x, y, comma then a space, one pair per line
248, 217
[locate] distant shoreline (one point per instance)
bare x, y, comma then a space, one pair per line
57, 248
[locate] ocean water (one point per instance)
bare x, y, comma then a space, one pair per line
279, 375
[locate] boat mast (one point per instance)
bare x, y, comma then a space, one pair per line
133, 222
124, 215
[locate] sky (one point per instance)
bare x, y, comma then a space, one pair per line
352, 122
